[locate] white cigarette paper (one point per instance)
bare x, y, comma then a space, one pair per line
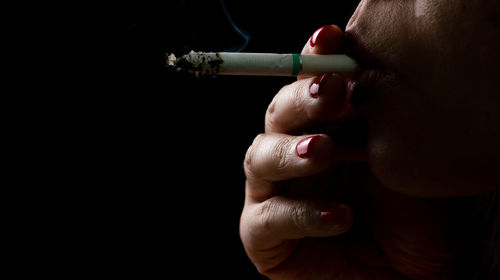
262, 64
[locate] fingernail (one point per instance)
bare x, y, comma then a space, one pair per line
314, 38
335, 216
304, 146
315, 87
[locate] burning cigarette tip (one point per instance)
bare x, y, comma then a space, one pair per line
199, 63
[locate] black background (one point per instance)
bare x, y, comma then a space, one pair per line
167, 148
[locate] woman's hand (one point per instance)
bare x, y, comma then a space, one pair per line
303, 188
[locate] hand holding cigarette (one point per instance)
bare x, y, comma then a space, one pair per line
283, 154
300, 188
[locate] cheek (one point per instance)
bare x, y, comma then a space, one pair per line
397, 156
421, 157
407, 163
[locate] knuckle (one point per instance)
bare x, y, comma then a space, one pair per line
298, 92
280, 153
270, 121
299, 216
272, 105
303, 102
270, 115
248, 163
265, 213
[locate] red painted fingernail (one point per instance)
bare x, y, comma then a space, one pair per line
304, 146
335, 216
314, 38
315, 87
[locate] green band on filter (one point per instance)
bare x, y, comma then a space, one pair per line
296, 64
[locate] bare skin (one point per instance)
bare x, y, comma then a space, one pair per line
286, 195
317, 207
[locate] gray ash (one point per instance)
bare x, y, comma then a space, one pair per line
199, 63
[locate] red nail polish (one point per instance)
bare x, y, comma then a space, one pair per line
304, 146
314, 38
335, 216
314, 89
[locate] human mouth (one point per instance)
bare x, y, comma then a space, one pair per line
362, 86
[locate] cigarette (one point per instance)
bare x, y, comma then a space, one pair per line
261, 64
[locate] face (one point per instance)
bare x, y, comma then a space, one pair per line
430, 93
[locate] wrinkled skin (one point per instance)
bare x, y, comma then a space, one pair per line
432, 134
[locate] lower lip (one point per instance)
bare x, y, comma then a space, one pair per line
361, 87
